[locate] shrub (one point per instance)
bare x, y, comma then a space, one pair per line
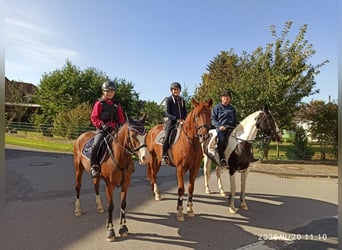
300, 150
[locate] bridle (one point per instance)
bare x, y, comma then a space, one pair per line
141, 131
198, 127
269, 118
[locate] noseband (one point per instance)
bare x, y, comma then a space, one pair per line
205, 125
141, 131
268, 118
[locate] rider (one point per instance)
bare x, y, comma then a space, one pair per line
106, 116
175, 111
223, 118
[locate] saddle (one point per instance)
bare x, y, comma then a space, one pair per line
174, 135
102, 152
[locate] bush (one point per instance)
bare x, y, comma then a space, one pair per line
72, 123
300, 149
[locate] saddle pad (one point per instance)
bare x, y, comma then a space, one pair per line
86, 150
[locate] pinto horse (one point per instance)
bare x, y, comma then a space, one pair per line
116, 168
238, 152
185, 153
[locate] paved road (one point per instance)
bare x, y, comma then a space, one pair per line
40, 196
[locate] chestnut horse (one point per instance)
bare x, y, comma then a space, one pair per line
238, 152
116, 168
185, 153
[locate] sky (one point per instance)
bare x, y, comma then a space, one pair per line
153, 43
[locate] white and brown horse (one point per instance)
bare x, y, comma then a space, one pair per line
238, 152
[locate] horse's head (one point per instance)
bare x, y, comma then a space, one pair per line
136, 139
266, 124
201, 114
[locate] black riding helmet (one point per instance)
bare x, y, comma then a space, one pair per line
109, 85
226, 93
175, 85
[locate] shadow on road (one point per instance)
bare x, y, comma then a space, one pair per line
41, 216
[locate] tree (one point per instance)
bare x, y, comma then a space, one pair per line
72, 123
278, 75
155, 113
323, 123
64, 89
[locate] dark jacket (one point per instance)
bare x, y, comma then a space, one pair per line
175, 108
223, 115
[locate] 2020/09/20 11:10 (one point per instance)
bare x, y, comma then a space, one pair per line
292, 237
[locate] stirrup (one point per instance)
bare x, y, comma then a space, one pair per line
165, 160
223, 162
95, 171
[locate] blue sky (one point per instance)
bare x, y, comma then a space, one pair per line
152, 43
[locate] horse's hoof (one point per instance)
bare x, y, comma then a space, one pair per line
78, 213
100, 210
123, 231
111, 239
207, 191
111, 235
233, 210
244, 207
191, 214
222, 192
157, 197
180, 218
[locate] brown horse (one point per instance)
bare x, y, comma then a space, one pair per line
116, 168
185, 153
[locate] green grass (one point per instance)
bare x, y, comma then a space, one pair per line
39, 143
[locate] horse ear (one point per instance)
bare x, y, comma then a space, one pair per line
210, 102
128, 119
143, 118
194, 102
265, 108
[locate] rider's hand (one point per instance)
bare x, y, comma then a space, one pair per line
222, 128
105, 127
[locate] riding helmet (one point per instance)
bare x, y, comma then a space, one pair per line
108, 85
226, 93
175, 85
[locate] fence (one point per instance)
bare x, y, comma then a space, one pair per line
45, 130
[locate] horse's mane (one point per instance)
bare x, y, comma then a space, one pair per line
246, 128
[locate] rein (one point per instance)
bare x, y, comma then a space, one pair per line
130, 150
196, 136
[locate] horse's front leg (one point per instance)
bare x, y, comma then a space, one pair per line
78, 179
191, 186
180, 177
152, 172
219, 171
206, 170
110, 227
231, 196
99, 207
243, 204
123, 231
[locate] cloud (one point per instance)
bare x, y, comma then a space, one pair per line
28, 42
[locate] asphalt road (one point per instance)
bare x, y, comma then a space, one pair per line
284, 213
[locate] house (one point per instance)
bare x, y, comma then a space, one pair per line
18, 96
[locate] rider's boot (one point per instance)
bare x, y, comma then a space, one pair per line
95, 171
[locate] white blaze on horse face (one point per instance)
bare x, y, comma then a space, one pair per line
144, 154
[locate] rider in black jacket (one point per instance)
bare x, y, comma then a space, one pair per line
175, 111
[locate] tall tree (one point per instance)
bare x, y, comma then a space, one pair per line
278, 75
64, 89
322, 119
